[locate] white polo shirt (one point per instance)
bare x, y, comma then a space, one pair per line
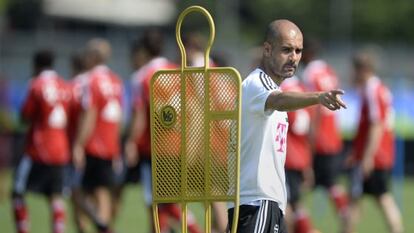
263, 143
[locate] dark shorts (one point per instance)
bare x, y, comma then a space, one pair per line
266, 218
326, 169
132, 175
98, 173
376, 184
294, 180
38, 177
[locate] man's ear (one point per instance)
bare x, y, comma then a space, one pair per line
267, 49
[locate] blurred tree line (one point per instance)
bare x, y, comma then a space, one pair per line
359, 20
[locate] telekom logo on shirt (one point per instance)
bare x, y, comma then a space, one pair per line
281, 136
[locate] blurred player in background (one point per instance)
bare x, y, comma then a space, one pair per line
96, 148
326, 140
298, 168
138, 143
131, 164
82, 208
372, 157
194, 44
41, 169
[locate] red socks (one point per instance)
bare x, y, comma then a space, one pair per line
21, 216
340, 199
302, 222
173, 211
58, 216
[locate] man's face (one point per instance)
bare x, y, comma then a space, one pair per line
139, 58
285, 53
358, 75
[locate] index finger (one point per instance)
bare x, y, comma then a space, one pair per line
338, 99
338, 92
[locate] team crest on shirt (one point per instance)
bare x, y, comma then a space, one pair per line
281, 131
168, 116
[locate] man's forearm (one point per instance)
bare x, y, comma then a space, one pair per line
290, 101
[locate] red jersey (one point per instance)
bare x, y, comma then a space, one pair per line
319, 76
77, 84
376, 107
46, 108
104, 93
298, 152
141, 93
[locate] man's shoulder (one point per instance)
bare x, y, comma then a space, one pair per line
258, 80
252, 79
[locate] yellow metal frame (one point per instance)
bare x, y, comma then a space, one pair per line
167, 163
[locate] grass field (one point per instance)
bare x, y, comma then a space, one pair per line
133, 218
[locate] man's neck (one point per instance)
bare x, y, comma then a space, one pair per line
277, 79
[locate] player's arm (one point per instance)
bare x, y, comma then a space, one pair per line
87, 121
316, 121
290, 101
28, 110
137, 123
136, 130
374, 137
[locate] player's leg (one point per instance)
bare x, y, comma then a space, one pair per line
164, 213
391, 212
292, 198
104, 204
57, 205
78, 215
326, 168
118, 190
119, 174
290, 218
103, 192
298, 220
20, 181
378, 186
128, 175
54, 182
220, 218
173, 211
97, 181
146, 179
78, 200
354, 216
356, 192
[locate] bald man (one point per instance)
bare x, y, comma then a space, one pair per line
263, 193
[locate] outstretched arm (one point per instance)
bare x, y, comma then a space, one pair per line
290, 101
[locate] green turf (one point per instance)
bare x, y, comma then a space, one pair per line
133, 219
